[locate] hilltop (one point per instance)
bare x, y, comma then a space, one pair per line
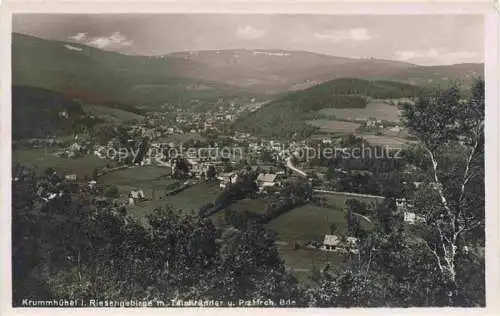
180, 77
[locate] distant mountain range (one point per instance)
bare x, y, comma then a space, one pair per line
48, 75
281, 70
98, 76
69, 67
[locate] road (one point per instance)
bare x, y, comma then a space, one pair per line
290, 166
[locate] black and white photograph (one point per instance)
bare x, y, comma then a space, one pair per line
260, 160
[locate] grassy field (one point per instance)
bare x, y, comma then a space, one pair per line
333, 126
303, 259
39, 158
311, 222
194, 197
375, 109
139, 178
152, 180
254, 206
307, 223
112, 115
339, 200
391, 141
185, 202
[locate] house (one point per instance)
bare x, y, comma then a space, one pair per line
265, 180
227, 178
64, 114
135, 196
70, 177
370, 124
403, 205
417, 184
412, 218
395, 129
92, 184
74, 150
331, 243
336, 244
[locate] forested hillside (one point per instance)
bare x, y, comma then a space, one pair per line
286, 116
38, 112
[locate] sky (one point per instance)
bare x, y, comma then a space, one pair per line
418, 39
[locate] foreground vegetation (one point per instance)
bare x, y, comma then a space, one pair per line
72, 246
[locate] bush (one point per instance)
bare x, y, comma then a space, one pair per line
112, 192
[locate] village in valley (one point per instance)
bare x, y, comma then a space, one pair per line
168, 158
200, 167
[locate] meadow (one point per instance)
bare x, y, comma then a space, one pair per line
334, 126
112, 115
391, 141
42, 159
375, 109
249, 205
302, 261
338, 200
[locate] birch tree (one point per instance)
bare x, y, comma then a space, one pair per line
450, 128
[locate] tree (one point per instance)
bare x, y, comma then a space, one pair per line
451, 132
333, 229
211, 173
266, 156
112, 192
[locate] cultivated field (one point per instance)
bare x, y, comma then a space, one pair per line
333, 126
375, 109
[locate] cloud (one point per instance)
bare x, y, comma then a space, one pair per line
115, 40
337, 36
80, 36
436, 55
249, 32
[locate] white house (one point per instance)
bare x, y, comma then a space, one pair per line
227, 178
70, 177
266, 180
335, 244
403, 205
395, 129
135, 196
412, 218
331, 243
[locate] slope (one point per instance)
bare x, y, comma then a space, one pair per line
101, 76
285, 117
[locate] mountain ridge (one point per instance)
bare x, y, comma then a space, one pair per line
205, 75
